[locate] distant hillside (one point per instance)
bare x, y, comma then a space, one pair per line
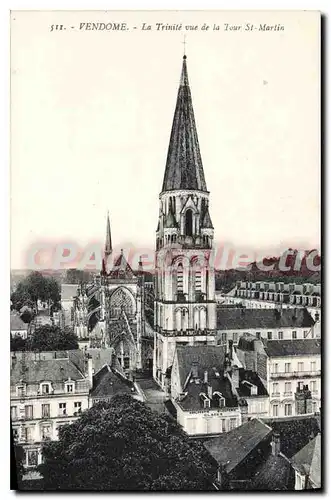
225, 280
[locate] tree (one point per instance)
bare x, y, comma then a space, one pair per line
17, 343
124, 445
52, 338
33, 288
77, 276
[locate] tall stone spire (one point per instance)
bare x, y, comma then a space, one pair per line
108, 245
184, 168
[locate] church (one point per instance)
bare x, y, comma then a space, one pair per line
185, 305
111, 312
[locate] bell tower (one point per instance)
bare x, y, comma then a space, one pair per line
185, 306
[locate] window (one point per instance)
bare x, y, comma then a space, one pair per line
313, 366
180, 278
300, 367
126, 363
223, 425
32, 458
305, 334
269, 335
45, 389
300, 385
280, 335
288, 388
235, 337
62, 408
69, 387
13, 412
20, 389
313, 386
275, 368
28, 410
275, 388
46, 431
233, 424
258, 335
206, 403
27, 434
197, 280
15, 433
45, 410
189, 223
78, 407
288, 409
224, 337
314, 407
294, 335
222, 402
287, 367
275, 410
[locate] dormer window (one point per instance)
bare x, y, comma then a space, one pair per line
206, 403
222, 402
70, 387
45, 388
20, 390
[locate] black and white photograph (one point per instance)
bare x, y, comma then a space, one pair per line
165, 251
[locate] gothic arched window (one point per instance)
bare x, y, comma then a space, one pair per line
189, 223
180, 278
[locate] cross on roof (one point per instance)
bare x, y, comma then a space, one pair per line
184, 43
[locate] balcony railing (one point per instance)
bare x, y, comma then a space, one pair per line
287, 394
275, 394
296, 374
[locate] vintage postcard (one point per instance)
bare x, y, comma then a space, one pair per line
165, 314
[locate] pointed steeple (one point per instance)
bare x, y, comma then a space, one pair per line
108, 245
184, 168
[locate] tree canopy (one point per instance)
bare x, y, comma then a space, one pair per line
33, 288
46, 338
124, 445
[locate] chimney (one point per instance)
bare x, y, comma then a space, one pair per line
235, 376
195, 369
205, 377
275, 444
90, 370
231, 350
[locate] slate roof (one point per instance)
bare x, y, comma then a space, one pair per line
206, 358
55, 370
121, 269
108, 383
193, 402
294, 432
274, 473
231, 448
16, 323
68, 292
308, 461
184, 168
300, 347
259, 319
253, 378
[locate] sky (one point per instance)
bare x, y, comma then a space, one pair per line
91, 115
